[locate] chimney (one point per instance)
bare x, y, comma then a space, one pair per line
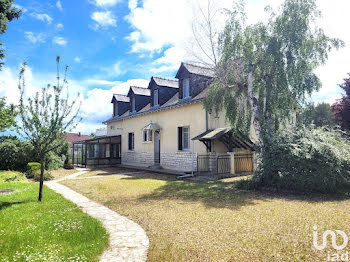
79, 134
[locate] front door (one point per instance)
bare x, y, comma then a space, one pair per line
156, 147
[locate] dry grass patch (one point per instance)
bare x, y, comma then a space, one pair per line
107, 171
212, 221
59, 173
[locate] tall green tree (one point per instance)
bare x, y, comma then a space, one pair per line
319, 115
46, 117
7, 14
266, 69
7, 115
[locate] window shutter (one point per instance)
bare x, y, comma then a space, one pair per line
179, 135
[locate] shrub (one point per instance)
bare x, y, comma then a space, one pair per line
14, 154
47, 176
54, 161
33, 168
306, 159
12, 176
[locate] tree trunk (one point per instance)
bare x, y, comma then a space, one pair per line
42, 163
256, 120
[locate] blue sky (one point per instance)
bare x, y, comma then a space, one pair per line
112, 44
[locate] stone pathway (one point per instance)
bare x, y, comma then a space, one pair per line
128, 241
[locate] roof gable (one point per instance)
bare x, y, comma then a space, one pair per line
120, 98
139, 91
195, 69
159, 81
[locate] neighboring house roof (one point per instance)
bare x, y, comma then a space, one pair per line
166, 82
120, 98
140, 91
74, 137
195, 69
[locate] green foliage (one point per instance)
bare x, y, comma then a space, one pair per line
7, 115
267, 68
307, 159
54, 161
47, 176
33, 168
7, 14
319, 115
12, 176
14, 154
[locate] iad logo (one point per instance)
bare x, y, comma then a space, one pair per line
332, 234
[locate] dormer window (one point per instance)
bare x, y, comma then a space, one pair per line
186, 88
156, 97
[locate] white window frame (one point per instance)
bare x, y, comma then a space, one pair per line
147, 135
132, 141
183, 138
186, 88
155, 101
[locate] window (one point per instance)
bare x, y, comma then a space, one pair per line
183, 138
133, 104
115, 109
131, 141
186, 88
156, 97
147, 136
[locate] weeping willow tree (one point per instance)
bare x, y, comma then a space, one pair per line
267, 69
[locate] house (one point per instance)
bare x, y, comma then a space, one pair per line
165, 125
74, 137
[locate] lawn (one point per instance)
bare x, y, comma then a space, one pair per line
54, 230
59, 173
212, 221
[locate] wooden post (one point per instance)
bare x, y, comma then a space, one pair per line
232, 161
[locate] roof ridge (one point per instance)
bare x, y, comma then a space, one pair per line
175, 80
186, 63
139, 87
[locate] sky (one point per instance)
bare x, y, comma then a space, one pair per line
112, 44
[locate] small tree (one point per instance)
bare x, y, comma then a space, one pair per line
341, 108
46, 117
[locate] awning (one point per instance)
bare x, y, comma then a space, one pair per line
225, 135
152, 126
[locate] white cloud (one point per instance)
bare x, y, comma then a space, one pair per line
165, 25
104, 19
42, 17
106, 3
35, 37
59, 5
59, 26
95, 107
23, 9
59, 40
77, 59
114, 70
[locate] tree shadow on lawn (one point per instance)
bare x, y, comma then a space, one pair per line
4, 205
219, 194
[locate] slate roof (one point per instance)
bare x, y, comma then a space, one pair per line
166, 82
198, 70
121, 98
140, 91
